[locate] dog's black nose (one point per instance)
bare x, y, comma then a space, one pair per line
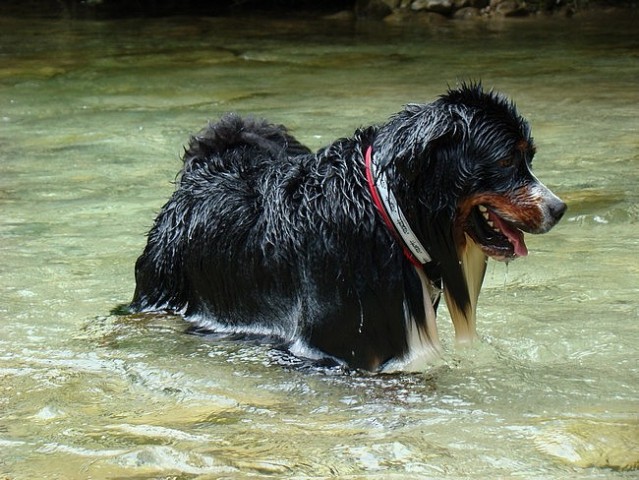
557, 210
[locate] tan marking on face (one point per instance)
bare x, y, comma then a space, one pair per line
521, 207
523, 146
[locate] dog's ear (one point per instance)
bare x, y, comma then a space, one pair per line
407, 142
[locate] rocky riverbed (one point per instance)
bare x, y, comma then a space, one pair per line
433, 11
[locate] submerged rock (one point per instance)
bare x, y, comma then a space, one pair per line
373, 9
419, 18
508, 8
467, 13
593, 443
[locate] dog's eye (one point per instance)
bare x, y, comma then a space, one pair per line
506, 162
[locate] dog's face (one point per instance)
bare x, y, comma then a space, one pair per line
505, 198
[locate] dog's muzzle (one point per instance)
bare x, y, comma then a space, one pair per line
497, 222
551, 206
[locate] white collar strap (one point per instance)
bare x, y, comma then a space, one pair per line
386, 203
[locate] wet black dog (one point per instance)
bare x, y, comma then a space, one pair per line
343, 253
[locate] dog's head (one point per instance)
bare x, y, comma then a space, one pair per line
461, 168
501, 197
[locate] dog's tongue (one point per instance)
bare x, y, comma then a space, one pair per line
514, 235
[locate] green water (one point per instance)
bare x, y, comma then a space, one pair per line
93, 117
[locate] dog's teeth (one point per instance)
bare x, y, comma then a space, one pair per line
486, 216
491, 224
482, 209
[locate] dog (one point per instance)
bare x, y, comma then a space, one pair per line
343, 254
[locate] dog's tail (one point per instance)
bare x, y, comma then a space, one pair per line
246, 137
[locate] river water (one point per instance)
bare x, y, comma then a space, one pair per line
93, 118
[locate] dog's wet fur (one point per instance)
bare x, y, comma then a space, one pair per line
263, 237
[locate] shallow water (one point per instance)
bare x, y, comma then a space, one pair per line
93, 119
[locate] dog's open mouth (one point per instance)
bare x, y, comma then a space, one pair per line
497, 237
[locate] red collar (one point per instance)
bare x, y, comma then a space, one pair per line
382, 209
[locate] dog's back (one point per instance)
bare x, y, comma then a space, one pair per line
235, 143
217, 202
